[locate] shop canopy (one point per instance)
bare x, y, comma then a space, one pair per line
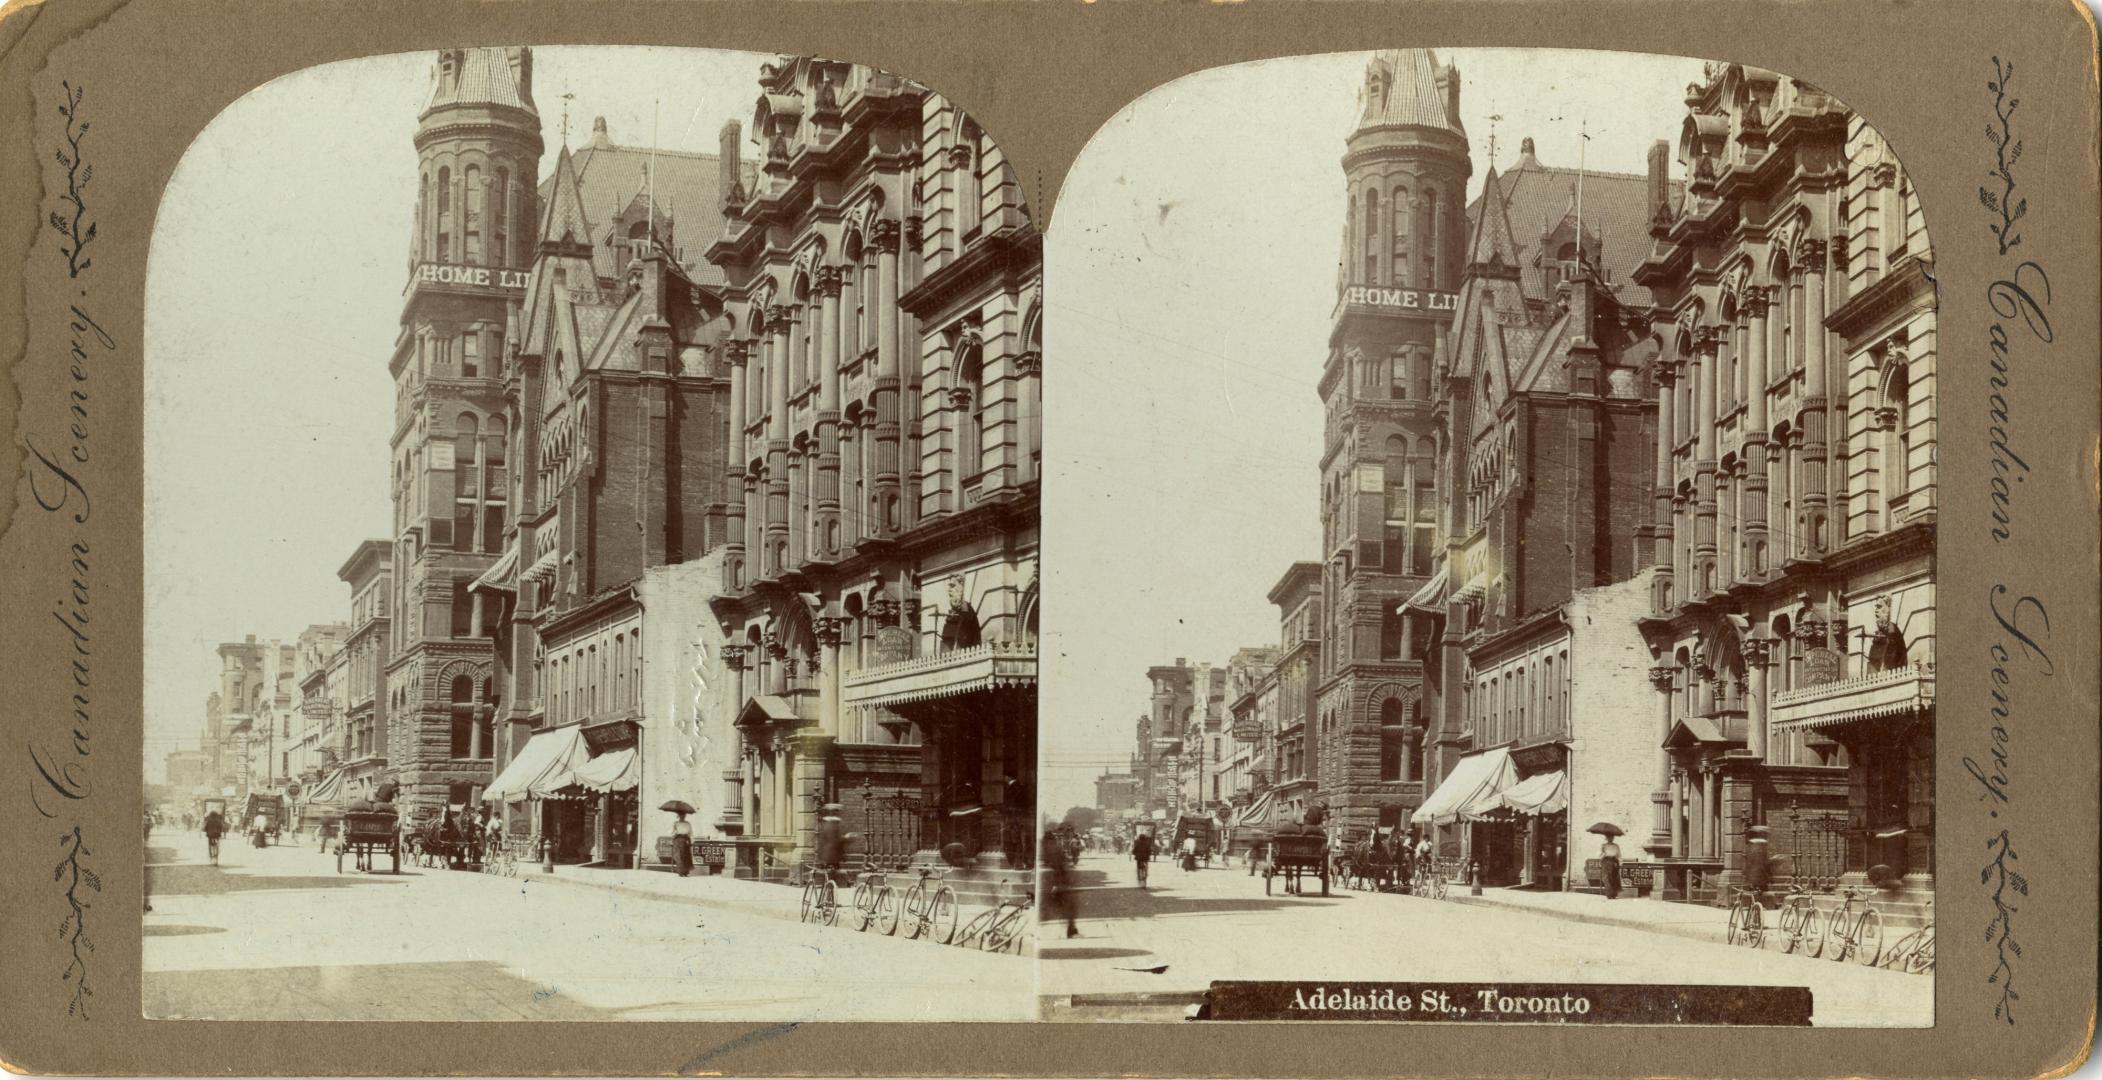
1255, 815
1547, 793
548, 753
1473, 789
327, 793
613, 771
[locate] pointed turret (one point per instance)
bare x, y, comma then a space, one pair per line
564, 229
1408, 88
486, 76
1491, 250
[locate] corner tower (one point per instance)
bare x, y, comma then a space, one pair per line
1406, 166
478, 148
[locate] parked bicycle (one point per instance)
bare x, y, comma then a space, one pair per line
932, 913
1747, 921
1855, 933
875, 902
1802, 930
1914, 952
1001, 925
820, 896
1428, 880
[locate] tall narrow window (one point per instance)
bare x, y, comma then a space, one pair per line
1896, 415
471, 353
477, 199
968, 398
1398, 216
466, 481
495, 487
500, 220
1427, 237
462, 710
445, 214
1393, 740
1372, 237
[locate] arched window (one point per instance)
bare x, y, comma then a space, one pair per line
1562, 717
1550, 692
968, 397
1393, 740
1398, 216
969, 161
500, 220
466, 480
445, 213
1395, 521
635, 667
1896, 415
477, 204
1371, 237
1427, 237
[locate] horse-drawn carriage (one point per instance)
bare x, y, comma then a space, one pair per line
1295, 853
371, 829
1377, 863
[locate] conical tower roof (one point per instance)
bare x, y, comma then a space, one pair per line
1489, 239
1408, 88
483, 76
565, 221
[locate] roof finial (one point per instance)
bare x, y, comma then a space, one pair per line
1493, 118
567, 97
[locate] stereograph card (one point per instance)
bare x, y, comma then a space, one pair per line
545, 540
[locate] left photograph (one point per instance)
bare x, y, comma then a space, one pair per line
591, 548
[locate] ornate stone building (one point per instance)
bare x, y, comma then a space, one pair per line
1792, 614
879, 584
1407, 166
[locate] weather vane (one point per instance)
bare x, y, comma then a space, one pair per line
567, 97
1493, 118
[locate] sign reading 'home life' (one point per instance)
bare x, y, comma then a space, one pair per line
1374, 296
488, 277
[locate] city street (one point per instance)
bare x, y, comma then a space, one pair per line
277, 934
1217, 924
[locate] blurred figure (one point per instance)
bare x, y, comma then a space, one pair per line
1056, 863
1142, 854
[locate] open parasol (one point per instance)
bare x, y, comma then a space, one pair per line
677, 806
1607, 829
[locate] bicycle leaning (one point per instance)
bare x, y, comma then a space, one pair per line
820, 896
1747, 920
1802, 928
875, 902
1002, 924
1855, 933
1914, 953
1427, 880
924, 912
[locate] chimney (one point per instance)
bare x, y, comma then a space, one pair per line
1659, 177
730, 142
599, 139
1450, 77
521, 58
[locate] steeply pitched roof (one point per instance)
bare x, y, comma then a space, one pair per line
566, 218
1489, 227
1538, 198
486, 76
1413, 92
688, 189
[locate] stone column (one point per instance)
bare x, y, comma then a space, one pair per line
886, 496
1758, 652
1663, 484
779, 323
1758, 561
1678, 813
1704, 581
828, 629
733, 451
1028, 368
1697, 813
1662, 678
1816, 473
826, 543
1712, 787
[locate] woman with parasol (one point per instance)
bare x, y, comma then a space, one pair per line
1609, 857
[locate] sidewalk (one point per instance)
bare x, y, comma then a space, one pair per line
720, 890
1696, 921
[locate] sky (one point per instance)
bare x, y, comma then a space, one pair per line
1190, 275
273, 295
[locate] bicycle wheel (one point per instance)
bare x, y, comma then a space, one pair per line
1002, 932
1790, 925
941, 918
828, 902
1868, 937
864, 905
915, 908
1813, 944
1755, 925
886, 917
1735, 934
1921, 959
809, 898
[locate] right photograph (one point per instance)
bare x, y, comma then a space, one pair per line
1493, 509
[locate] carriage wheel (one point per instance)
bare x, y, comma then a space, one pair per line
339, 860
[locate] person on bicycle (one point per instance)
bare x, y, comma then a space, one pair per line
214, 827
1142, 854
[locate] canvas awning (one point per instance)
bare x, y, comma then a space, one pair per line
1256, 815
1473, 789
616, 771
1546, 793
555, 750
327, 793
498, 576
1427, 598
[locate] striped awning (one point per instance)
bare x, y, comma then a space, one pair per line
1546, 793
555, 750
498, 576
1430, 596
1474, 789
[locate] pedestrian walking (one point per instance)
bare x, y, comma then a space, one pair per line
1056, 863
1142, 854
1189, 854
214, 827
1609, 867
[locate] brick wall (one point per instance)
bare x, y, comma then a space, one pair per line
1613, 715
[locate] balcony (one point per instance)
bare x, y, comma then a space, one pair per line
993, 666
1878, 694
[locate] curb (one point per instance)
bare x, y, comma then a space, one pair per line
742, 906
1688, 932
